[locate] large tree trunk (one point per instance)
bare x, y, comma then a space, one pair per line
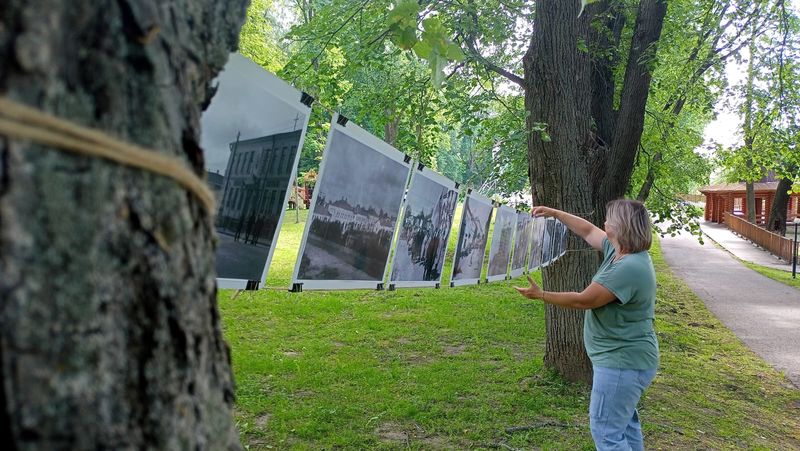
557, 79
109, 330
627, 135
578, 170
777, 214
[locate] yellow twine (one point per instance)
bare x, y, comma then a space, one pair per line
23, 122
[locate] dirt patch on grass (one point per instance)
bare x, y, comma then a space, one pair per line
262, 421
453, 350
418, 359
392, 432
291, 353
301, 394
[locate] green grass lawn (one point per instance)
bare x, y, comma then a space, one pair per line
454, 368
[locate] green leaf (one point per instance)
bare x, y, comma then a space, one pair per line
437, 64
433, 26
404, 13
423, 49
454, 52
545, 137
405, 39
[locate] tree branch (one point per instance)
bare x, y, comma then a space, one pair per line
473, 51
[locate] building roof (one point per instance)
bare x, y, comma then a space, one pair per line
759, 187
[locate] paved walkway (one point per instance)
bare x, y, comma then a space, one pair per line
742, 248
763, 313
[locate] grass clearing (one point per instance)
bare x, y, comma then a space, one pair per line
454, 368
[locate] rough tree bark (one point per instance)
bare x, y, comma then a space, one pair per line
109, 329
557, 78
777, 213
580, 169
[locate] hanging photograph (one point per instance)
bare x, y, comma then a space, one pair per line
522, 241
562, 242
424, 230
548, 240
472, 236
537, 237
502, 240
354, 211
252, 133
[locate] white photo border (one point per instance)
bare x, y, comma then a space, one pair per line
451, 186
481, 199
364, 137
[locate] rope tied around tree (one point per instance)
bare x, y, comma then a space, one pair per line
20, 121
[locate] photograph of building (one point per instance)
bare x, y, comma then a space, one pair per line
424, 230
472, 237
502, 240
358, 196
522, 241
251, 134
562, 239
547, 241
537, 238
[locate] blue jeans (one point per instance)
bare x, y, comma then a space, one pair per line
613, 417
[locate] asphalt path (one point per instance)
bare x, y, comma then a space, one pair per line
763, 313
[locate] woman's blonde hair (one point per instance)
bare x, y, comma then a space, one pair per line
631, 221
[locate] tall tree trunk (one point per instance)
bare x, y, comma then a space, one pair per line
109, 330
557, 78
650, 178
638, 73
777, 214
577, 170
750, 196
391, 128
750, 200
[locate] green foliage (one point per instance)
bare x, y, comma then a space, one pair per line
770, 102
259, 39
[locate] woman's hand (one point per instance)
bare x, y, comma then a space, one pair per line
532, 292
545, 212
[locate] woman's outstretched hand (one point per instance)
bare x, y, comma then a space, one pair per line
545, 212
532, 292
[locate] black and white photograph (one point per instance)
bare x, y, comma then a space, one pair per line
354, 211
562, 239
547, 241
537, 237
424, 230
502, 242
252, 133
522, 241
472, 236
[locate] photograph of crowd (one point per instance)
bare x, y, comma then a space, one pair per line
537, 237
472, 236
424, 230
251, 135
522, 242
502, 241
352, 221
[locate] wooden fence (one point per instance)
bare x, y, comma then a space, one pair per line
772, 242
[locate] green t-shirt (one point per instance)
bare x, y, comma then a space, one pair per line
620, 334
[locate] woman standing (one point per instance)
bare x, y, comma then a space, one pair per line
618, 323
